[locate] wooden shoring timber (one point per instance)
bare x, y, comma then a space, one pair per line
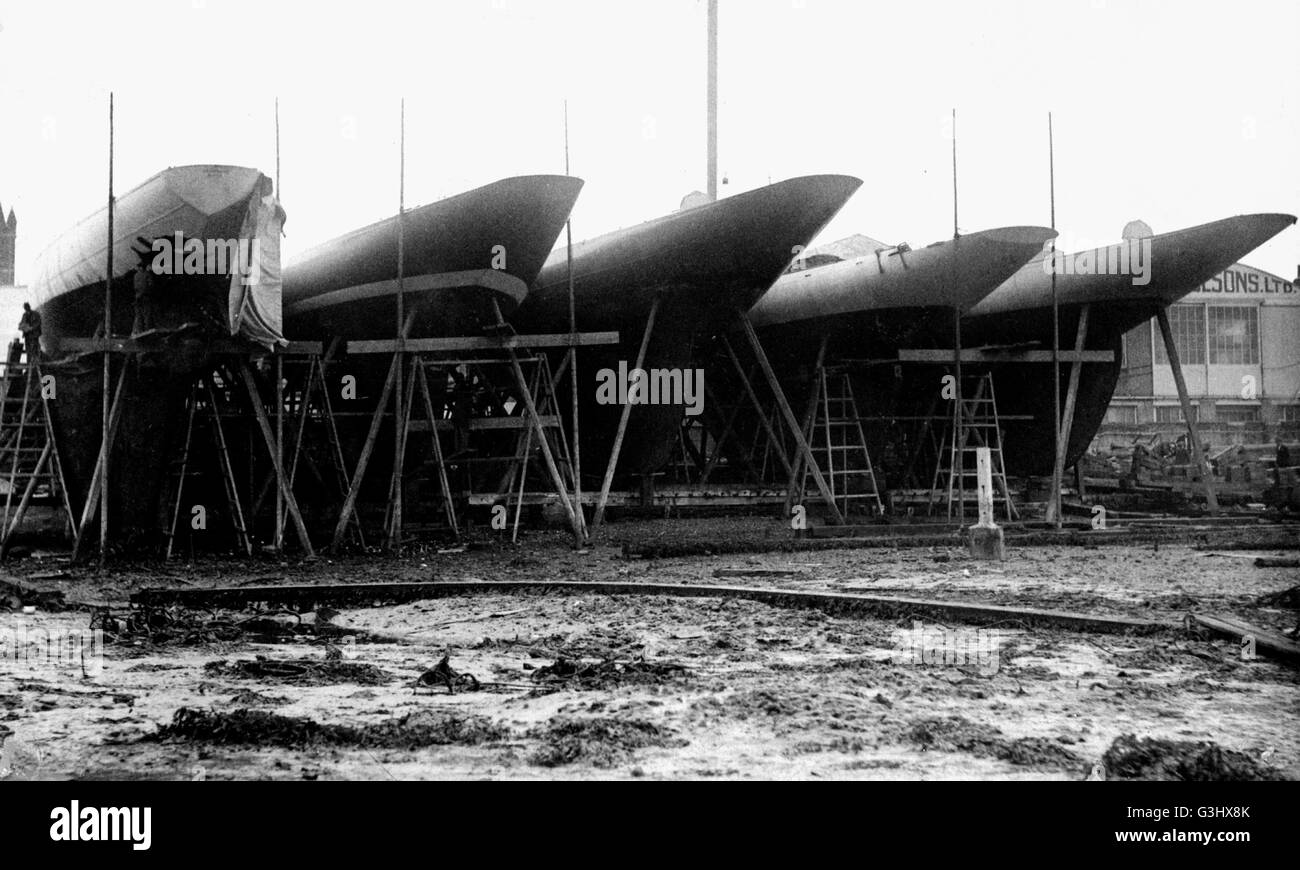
268, 437
625, 413
1193, 435
89, 507
1067, 418
228, 471
185, 464
768, 429
393, 518
791, 423
557, 479
96, 481
444, 484
797, 476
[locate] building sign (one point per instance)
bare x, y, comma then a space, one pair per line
1241, 280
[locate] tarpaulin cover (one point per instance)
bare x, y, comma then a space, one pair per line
255, 307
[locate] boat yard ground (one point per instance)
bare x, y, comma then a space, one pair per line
546, 683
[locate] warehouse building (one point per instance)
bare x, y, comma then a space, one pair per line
1238, 338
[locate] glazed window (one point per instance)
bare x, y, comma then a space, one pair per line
1234, 335
1187, 322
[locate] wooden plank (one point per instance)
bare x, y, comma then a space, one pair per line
478, 424
1276, 645
941, 355
219, 346
837, 603
463, 343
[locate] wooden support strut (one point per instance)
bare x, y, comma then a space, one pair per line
1211, 501
603, 499
801, 443
228, 471
809, 412
97, 478
556, 478
768, 429
443, 483
359, 473
1067, 417
259, 412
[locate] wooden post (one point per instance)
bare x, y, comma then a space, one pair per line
278, 540
185, 464
1211, 501
790, 421
228, 471
621, 430
777, 447
554, 470
394, 540
984, 482
268, 437
105, 412
443, 482
359, 473
809, 411
1067, 419
94, 493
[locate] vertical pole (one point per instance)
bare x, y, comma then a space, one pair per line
711, 98
1067, 415
624, 413
279, 450
573, 348
1054, 501
279, 377
108, 334
954, 173
399, 419
1193, 436
984, 480
277, 150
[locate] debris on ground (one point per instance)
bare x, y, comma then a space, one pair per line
602, 742
443, 674
608, 673
258, 727
1150, 758
957, 734
305, 671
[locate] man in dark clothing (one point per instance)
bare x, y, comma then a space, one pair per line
30, 327
1283, 460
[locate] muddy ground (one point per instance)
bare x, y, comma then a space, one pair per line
582, 686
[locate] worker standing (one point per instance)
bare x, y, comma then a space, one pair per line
30, 327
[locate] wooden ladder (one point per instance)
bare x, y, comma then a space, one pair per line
835, 434
29, 454
974, 424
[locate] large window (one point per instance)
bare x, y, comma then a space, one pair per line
1188, 325
1234, 335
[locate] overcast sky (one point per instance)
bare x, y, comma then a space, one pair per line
1177, 113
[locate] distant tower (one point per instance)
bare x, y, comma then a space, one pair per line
8, 246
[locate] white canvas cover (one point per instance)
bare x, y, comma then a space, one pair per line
255, 303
